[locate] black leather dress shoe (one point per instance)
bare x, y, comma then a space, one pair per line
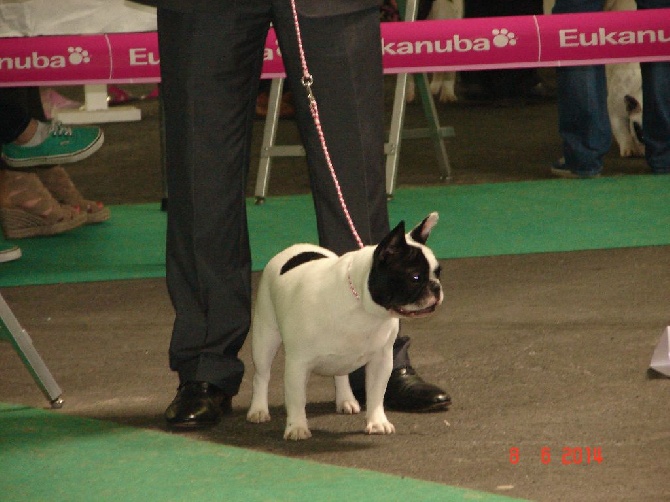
197, 405
407, 391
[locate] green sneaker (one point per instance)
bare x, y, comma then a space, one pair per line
10, 254
63, 146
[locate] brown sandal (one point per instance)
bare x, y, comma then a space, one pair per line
58, 182
27, 209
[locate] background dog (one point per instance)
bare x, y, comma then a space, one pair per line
442, 84
624, 97
624, 105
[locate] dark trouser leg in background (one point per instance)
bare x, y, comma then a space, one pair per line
343, 54
355, 140
501, 84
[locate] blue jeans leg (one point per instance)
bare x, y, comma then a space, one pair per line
583, 121
656, 115
656, 107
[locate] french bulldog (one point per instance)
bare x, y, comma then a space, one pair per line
335, 314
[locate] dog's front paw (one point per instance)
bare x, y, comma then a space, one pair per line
258, 416
630, 150
380, 428
297, 432
447, 96
410, 93
349, 407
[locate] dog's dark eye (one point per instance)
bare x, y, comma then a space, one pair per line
437, 272
416, 277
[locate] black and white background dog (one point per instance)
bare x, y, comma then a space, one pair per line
335, 314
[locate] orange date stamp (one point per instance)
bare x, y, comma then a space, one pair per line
568, 455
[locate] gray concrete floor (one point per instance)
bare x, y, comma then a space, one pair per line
538, 351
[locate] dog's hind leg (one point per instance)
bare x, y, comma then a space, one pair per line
265, 342
410, 90
264, 349
345, 402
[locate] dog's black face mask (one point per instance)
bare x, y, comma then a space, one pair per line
401, 278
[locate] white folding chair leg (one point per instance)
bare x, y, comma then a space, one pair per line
268, 148
392, 147
397, 132
19, 338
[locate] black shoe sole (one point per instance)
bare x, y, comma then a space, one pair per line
191, 426
434, 407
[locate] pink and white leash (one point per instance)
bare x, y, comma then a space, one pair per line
307, 82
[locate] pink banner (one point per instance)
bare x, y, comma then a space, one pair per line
421, 46
134, 57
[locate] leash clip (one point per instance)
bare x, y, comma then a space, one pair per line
307, 82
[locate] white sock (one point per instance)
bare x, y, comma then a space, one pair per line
41, 134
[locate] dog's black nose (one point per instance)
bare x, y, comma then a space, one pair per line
435, 288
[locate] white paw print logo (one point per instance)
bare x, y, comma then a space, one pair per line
78, 55
502, 38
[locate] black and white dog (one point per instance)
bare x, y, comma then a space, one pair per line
335, 314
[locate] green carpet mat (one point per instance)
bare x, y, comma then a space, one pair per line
46, 456
476, 220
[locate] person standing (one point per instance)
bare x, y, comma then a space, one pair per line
583, 120
37, 196
211, 60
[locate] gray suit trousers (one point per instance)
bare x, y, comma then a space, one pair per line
210, 66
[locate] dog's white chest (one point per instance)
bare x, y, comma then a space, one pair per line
341, 352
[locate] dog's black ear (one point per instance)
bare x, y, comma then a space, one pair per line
421, 232
392, 244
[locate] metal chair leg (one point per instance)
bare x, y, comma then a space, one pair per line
11, 330
269, 149
397, 132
